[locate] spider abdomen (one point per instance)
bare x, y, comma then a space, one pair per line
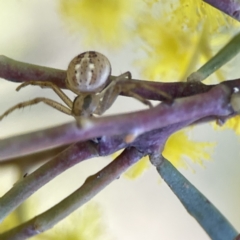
88, 72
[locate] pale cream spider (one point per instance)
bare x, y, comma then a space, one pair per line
88, 75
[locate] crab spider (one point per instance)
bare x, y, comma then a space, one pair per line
88, 76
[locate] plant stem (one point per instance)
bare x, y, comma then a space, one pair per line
93, 185
197, 205
16, 71
212, 103
227, 53
25, 187
230, 7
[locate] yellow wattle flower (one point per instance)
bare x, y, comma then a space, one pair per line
104, 22
179, 146
181, 38
90, 227
232, 123
137, 169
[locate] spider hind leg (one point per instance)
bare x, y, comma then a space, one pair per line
51, 85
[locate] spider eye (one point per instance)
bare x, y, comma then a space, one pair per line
89, 72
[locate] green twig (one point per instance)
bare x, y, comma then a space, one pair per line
25, 187
93, 185
227, 53
197, 205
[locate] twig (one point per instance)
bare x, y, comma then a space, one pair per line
74, 154
230, 7
213, 103
227, 53
25, 187
16, 71
197, 205
34, 158
87, 191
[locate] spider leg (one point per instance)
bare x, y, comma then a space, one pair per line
139, 98
107, 100
54, 87
160, 92
109, 94
133, 85
122, 77
34, 101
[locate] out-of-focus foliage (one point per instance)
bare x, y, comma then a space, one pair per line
232, 123
179, 146
85, 224
180, 38
178, 149
102, 22
11, 221
137, 169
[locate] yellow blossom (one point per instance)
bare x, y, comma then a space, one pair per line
89, 219
137, 169
11, 221
232, 123
104, 22
89, 226
179, 146
178, 38
168, 50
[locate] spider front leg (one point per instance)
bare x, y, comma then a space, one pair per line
110, 87
128, 89
107, 100
108, 96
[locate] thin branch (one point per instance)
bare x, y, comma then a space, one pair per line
33, 158
156, 139
227, 53
16, 71
230, 7
25, 187
92, 186
213, 103
197, 205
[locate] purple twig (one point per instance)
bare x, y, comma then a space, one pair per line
230, 7
212, 103
16, 71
